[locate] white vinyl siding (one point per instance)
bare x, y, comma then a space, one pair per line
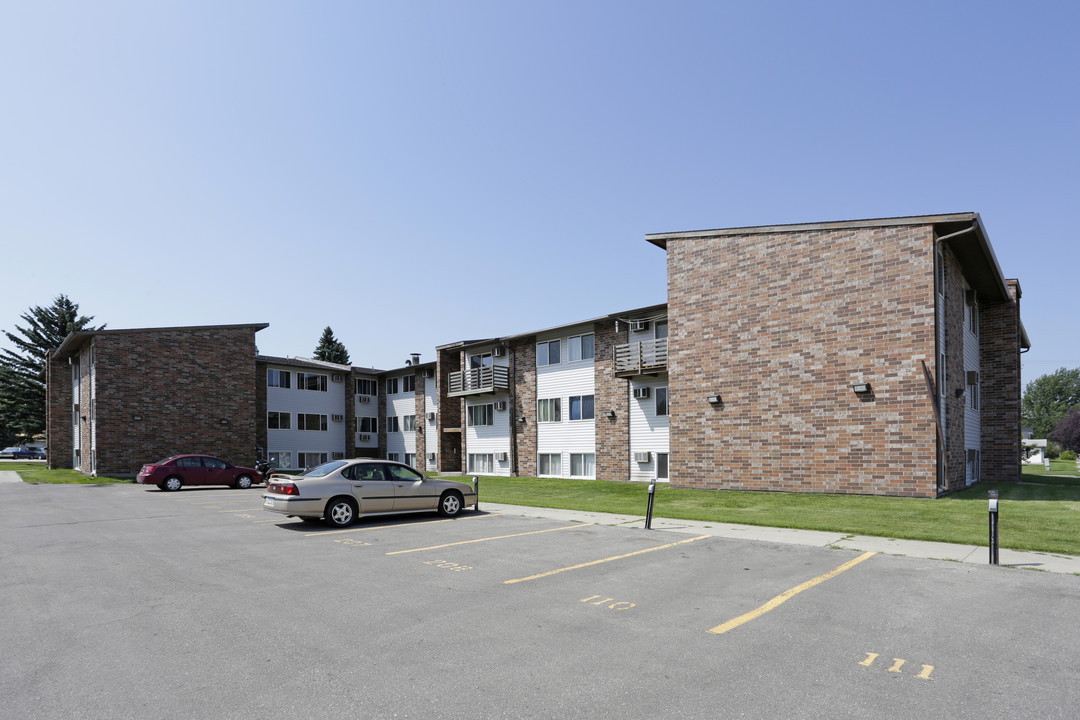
649, 432
430, 461
489, 442
296, 402
972, 400
400, 441
564, 381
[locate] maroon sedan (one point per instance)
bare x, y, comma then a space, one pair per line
179, 470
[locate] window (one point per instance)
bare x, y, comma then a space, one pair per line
479, 463
392, 386
973, 465
661, 401
582, 465
581, 407
278, 420
408, 383
660, 329
395, 457
312, 459
550, 464
549, 410
480, 361
661, 466
392, 424
408, 423
973, 389
310, 421
367, 424
581, 347
973, 312
364, 386
548, 353
410, 460
481, 415
282, 460
277, 378
940, 269
310, 381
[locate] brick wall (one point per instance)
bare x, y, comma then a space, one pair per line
781, 325
999, 349
955, 401
612, 393
448, 423
523, 386
183, 382
58, 413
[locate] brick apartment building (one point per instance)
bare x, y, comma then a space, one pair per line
874, 357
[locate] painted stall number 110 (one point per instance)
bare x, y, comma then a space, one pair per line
620, 605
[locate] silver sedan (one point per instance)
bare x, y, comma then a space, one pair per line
343, 490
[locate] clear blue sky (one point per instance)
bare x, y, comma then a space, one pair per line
416, 173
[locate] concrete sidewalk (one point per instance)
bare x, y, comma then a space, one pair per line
9, 476
977, 554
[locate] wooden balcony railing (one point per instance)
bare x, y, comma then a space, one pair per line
641, 358
479, 380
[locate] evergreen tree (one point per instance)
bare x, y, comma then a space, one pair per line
331, 349
22, 369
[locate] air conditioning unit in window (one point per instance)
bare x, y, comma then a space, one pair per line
499, 351
363, 398
339, 455
337, 418
431, 457
639, 325
642, 457
337, 378
641, 392
363, 437
431, 416
972, 377
501, 457
429, 373
501, 405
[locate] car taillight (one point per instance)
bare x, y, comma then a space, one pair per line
284, 488
147, 469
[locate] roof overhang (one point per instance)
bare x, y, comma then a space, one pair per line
74, 342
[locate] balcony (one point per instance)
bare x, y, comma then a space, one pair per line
648, 357
479, 380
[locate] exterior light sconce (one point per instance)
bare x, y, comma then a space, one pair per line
610, 414
136, 418
862, 388
521, 418
224, 421
715, 400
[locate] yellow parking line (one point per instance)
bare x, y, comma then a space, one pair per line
499, 537
381, 527
598, 562
787, 595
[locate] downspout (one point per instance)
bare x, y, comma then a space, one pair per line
513, 411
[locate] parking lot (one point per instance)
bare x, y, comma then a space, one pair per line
127, 602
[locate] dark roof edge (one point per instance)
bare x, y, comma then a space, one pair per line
77, 339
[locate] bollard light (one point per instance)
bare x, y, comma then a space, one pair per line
993, 494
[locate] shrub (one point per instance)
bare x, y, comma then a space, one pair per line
1068, 455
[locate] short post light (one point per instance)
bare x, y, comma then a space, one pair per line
994, 527
476, 489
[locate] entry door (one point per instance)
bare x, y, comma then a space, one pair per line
411, 492
371, 488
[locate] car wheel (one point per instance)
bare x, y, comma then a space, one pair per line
340, 512
243, 482
173, 482
450, 503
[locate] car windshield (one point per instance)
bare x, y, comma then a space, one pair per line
10, 449
324, 469
162, 462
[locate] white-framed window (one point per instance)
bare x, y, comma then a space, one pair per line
392, 424
661, 401
480, 415
940, 270
367, 424
549, 410
548, 353
973, 465
660, 329
408, 384
410, 459
311, 459
392, 386
581, 347
581, 407
394, 457
481, 360
973, 390
972, 299
549, 464
583, 465
278, 420
281, 459
661, 466
408, 423
310, 381
278, 378
310, 421
481, 463
366, 386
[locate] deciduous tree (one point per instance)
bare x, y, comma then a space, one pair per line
1048, 398
1067, 431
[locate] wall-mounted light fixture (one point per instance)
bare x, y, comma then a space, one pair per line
224, 421
861, 388
715, 400
521, 418
136, 418
610, 414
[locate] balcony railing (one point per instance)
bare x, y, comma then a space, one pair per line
479, 380
641, 358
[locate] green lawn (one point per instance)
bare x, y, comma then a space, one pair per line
1057, 467
1042, 513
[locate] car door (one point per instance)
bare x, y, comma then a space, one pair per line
411, 491
216, 472
371, 487
190, 468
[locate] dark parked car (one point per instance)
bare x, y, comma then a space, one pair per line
179, 470
17, 453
